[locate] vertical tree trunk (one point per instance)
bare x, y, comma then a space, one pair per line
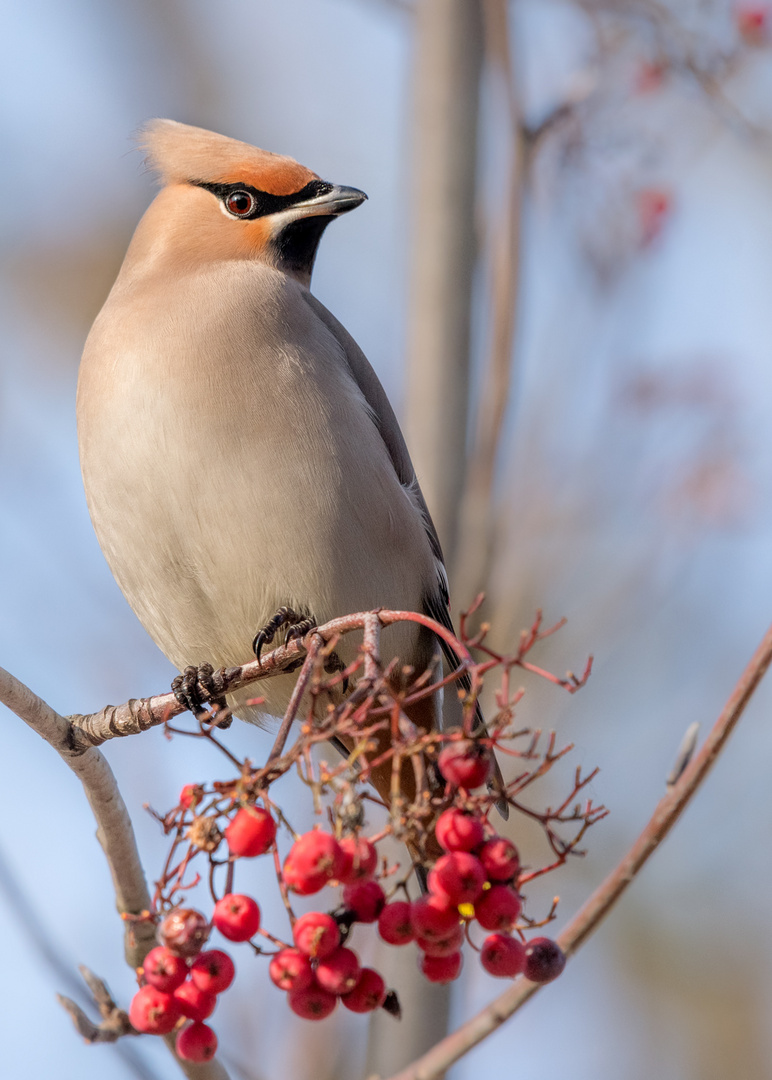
476, 516
447, 66
448, 61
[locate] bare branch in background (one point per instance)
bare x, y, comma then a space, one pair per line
476, 517
447, 65
434, 1064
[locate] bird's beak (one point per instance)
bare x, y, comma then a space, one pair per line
338, 200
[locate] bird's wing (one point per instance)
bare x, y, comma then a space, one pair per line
393, 439
436, 603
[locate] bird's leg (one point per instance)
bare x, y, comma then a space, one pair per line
197, 686
298, 626
300, 629
334, 663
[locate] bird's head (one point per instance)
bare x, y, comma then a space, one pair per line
224, 199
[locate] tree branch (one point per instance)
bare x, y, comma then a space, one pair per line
435, 1063
80, 733
114, 829
115, 1021
114, 832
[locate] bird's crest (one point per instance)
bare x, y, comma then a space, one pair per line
179, 154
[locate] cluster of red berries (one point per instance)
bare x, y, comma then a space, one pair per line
320, 968
181, 981
475, 880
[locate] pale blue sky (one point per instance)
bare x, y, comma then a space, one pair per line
671, 600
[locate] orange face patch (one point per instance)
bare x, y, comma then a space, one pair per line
277, 176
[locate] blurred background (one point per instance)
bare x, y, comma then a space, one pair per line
563, 279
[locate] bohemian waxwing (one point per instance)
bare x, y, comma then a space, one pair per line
239, 454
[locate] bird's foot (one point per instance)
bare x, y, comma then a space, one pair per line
199, 686
297, 627
334, 663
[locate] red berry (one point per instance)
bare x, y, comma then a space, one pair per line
300, 882
196, 1043
194, 1003
752, 22
654, 207
500, 859
164, 970
213, 971
465, 764
313, 1002
441, 969
191, 795
503, 956
184, 931
544, 960
433, 917
361, 859
395, 923
251, 832
368, 994
442, 946
314, 859
316, 934
237, 917
459, 876
153, 1011
339, 972
498, 908
457, 831
291, 969
649, 77
366, 899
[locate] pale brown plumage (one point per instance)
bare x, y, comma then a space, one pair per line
238, 451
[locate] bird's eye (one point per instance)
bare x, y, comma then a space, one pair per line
240, 203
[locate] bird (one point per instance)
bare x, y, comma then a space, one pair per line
242, 464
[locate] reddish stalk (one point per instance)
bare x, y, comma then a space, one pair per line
297, 694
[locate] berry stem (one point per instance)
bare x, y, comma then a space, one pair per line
316, 643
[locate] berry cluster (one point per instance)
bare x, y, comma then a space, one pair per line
181, 981
474, 880
430, 790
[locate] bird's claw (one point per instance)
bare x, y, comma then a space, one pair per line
334, 663
298, 626
198, 686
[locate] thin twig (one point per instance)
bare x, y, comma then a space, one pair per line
297, 695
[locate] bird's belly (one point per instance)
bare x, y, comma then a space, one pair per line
208, 530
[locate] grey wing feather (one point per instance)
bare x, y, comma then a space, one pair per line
437, 605
388, 427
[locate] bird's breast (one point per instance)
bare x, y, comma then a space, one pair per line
231, 466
